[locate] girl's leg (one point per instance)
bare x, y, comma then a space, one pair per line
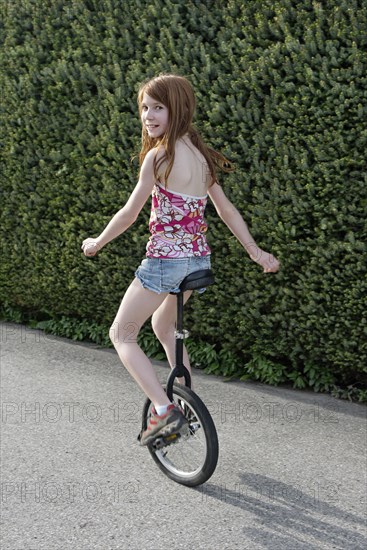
137, 306
164, 324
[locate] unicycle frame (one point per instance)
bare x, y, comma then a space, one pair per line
194, 281
179, 369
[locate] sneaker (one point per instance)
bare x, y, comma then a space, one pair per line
161, 426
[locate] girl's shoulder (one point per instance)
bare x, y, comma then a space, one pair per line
156, 152
185, 147
189, 158
153, 156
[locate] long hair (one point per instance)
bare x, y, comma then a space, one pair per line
176, 93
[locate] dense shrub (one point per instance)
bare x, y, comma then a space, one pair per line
281, 88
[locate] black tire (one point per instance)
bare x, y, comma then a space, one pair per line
192, 459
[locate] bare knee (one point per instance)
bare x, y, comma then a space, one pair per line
162, 329
120, 333
113, 334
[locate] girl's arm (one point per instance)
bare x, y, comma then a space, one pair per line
127, 215
234, 221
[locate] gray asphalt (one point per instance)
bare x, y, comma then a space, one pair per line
291, 473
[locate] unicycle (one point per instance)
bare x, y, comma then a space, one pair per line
189, 457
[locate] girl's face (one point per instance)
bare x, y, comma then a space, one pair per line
154, 116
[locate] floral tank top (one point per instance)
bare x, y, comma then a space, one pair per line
177, 225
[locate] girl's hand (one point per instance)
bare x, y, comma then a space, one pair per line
90, 247
267, 261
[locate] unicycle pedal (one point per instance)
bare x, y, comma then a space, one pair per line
161, 441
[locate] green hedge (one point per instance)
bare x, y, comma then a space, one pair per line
281, 88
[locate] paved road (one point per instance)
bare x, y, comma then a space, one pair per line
291, 473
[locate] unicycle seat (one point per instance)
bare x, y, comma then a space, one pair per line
197, 279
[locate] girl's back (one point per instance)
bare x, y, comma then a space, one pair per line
189, 174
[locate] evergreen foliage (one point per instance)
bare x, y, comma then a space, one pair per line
281, 88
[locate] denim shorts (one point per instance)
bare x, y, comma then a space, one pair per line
166, 275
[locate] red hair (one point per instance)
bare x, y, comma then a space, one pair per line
176, 93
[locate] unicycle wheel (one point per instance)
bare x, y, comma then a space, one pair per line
190, 457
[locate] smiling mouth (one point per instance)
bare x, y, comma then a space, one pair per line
150, 126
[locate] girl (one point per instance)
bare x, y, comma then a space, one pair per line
178, 170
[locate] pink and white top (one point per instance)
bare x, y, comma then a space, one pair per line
177, 225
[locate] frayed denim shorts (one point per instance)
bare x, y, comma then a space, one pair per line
166, 275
